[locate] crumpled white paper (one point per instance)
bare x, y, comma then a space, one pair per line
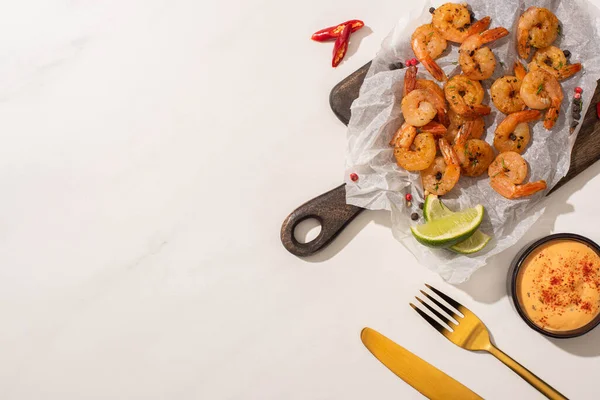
376, 115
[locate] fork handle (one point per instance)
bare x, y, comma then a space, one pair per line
526, 374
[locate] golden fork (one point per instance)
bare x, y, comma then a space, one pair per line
471, 334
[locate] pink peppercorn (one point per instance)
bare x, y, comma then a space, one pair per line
408, 197
353, 177
577, 95
578, 90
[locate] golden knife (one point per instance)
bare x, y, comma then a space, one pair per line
418, 373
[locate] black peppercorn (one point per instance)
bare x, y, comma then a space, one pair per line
431, 9
573, 126
576, 108
577, 116
512, 137
567, 53
414, 216
421, 205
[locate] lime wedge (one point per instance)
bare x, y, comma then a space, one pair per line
434, 208
476, 242
449, 230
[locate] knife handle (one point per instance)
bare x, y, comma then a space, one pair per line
332, 212
526, 374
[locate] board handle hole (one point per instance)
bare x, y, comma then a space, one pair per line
307, 230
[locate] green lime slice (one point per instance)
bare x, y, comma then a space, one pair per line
476, 242
449, 230
434, 208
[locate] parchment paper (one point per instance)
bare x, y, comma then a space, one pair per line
376, 115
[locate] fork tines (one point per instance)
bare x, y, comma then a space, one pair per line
435, 312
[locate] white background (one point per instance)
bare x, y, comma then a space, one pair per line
150, 152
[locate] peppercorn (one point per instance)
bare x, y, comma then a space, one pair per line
397, 65
414, 216
353, 177
578, 90
567, 53
577, 116
576, 108
408, 197
573, 127
431, 10
421, 205
577, 95
512, 137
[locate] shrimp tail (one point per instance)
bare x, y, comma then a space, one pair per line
551, 117
522, 45
433, 68
493, 34
526, 115
464, 134
448, 153
569, 71
434, 128
479, 26
520, 70
481, 109
529, 188
410, 80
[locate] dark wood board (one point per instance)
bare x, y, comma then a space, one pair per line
330, 208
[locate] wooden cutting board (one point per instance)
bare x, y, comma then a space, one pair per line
330, 208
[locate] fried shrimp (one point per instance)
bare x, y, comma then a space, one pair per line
507, 173
553, 60
428, 44
420, 107
417, 155
474, 155
479, 62
465, 96
453, 22
505, 91
540, 90
443, 174
439, 93
538, 27
512, 134
456, 123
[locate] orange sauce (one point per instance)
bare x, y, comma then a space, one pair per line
558, 285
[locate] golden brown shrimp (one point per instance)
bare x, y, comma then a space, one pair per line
507, 173
465, 96
505, 91
456, 123
405, 135
443, 174
512, 134
428, 44
416, 156
479, 62
541, 90
420, 107
434, 88
453, 22
553, 60
475, 155
538, 27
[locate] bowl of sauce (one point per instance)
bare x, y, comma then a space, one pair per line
555, 285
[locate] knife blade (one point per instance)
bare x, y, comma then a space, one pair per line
418, 373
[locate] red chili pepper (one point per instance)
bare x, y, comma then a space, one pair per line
341, 46
333, 32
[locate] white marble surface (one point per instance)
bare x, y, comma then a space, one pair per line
151, 150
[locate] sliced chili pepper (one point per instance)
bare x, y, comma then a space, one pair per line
333, 32
341, 46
